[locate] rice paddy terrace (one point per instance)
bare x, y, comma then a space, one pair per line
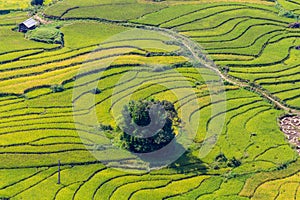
151, 50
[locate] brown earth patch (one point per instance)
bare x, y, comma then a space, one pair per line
290, 126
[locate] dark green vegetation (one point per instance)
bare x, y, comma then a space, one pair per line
251, 158
157, 116
37, 2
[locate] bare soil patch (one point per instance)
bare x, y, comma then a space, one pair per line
290, 126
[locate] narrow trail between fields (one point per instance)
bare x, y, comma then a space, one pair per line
198, 57
42, 20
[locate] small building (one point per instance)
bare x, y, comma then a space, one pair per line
29, 24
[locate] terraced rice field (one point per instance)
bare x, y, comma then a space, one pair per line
251, 40
293, 6
48, 109
13, 4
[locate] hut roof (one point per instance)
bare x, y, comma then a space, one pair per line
30, 23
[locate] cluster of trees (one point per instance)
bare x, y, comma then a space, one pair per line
222, 161
147, 125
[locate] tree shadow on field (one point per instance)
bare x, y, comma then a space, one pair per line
148, 133
188, 163
175, 157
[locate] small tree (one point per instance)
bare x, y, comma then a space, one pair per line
37, 2
103, 127
57, 88
221, 158
96, 91
234, 162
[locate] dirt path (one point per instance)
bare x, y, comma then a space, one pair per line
198, 57
197, 52
43, 21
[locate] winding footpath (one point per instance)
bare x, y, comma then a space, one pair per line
200, 59
196, 53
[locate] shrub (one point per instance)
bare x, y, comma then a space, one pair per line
234, 162
282, 166
57, 88
103, 127
221, 158
96, 91
286, 13
197, 83
160, 68
225, 69
227, 83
